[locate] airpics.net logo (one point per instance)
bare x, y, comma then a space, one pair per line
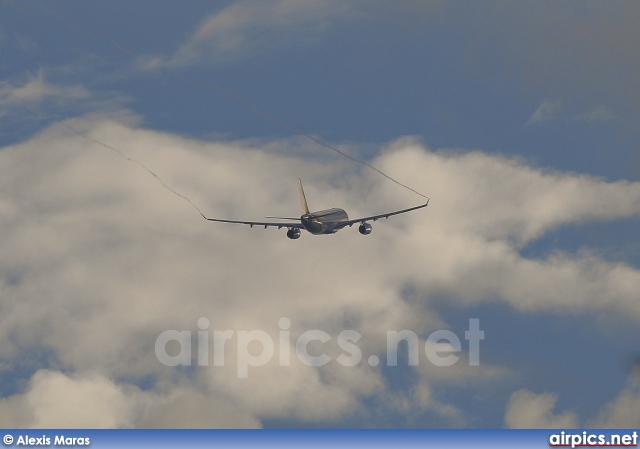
439, 348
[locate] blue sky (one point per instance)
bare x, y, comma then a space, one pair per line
519, 120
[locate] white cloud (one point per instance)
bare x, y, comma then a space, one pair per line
529, 410
251, 26
33, 98
548, 111
55, 400
623, 411
186, 408
545, 112
598, 114
99, 259
36, 89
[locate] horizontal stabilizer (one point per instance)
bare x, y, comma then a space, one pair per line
284, 218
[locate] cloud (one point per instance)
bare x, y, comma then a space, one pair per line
187, 408
545, 112
247, 27
36, 89
530, 410
597, 114
624, 410
99, 259
56, 400
33, 99
548, 111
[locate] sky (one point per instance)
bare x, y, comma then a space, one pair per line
120, 120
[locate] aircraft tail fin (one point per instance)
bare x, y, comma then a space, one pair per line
303, 200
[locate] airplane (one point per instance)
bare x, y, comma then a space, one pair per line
327, 221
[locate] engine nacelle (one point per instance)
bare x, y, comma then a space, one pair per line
293, 233
365, 229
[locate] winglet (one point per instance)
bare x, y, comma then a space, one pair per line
303, 200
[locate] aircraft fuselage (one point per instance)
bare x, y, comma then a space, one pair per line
328, 221
324, 221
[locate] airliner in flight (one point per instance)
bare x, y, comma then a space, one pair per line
327, 221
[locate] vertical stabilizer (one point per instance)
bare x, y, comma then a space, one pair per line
303, 200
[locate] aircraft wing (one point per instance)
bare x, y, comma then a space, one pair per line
376, 217
257, 223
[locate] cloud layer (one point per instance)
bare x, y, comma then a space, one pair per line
100, 259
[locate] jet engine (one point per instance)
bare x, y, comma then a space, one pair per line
293, 233
365, 229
